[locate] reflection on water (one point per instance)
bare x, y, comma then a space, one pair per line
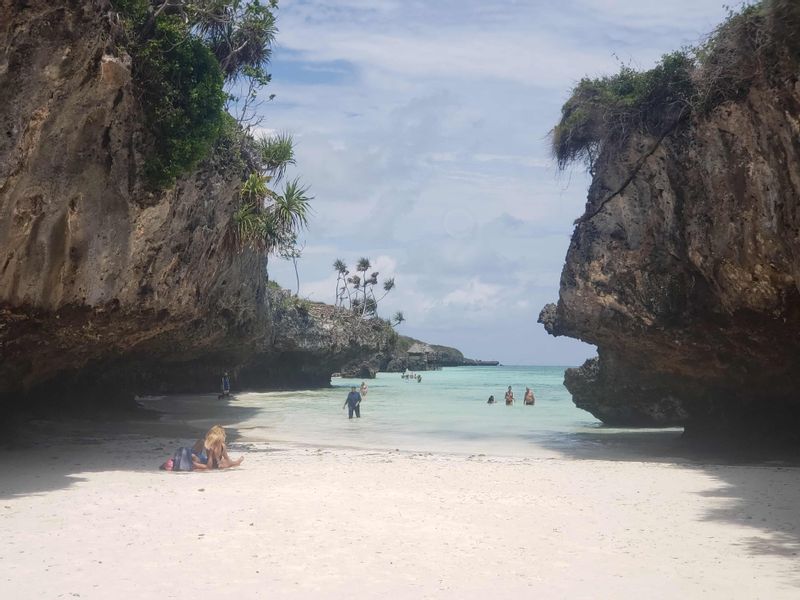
446, 411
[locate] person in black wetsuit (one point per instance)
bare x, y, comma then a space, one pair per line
353, 403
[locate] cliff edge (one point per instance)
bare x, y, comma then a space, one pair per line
685, 268
106, 287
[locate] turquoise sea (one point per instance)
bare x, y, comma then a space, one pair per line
445, 412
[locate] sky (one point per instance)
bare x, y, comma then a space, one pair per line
422, 129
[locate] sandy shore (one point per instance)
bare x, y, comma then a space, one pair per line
97, 520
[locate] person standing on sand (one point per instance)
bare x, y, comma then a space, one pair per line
226, 386
509, 397
529, 399
363, 390
353, 403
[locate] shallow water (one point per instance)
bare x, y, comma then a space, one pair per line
445, 412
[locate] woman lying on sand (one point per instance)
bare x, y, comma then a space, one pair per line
210, 453
206, 454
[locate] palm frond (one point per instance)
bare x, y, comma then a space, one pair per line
254, 189
276, 152
339, 266
291, 209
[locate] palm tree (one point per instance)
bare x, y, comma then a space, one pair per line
362, 266
341, 273
388, 286
398, 318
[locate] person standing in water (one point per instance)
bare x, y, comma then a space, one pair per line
529, 399
363, 390
509, 397
353, 403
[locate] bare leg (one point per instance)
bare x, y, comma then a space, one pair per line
227, 463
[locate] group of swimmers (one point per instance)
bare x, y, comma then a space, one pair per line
410, 375
529, 398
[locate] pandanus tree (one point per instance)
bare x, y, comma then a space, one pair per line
356, 291
270, 221
342, 290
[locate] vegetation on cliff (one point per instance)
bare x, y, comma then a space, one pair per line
604, 112
184, 54
356, 291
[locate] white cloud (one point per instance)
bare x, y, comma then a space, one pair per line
475, 295
422, 128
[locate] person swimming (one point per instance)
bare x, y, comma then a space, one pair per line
509, 397
490, 400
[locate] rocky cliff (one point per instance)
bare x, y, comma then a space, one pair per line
310, 341
107, 288
685, 268
407, 353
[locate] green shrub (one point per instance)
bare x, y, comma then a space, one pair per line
609, 109
181, 88
182, 59
760, 41
234, 149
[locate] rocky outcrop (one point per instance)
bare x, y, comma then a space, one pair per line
310, 341
107, 288
411, 354
685, 271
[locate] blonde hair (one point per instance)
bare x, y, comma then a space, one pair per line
215, 439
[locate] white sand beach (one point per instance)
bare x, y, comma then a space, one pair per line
98, 520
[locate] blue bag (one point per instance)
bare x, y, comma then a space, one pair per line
182, 461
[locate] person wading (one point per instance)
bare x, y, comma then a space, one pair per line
509, 397
530, 400
353, 403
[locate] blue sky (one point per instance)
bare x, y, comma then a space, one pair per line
422, 129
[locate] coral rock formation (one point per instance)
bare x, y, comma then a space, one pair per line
688, 277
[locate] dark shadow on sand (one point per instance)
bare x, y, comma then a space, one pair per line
51, 454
